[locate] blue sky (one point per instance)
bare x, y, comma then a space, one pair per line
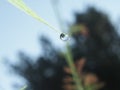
20, 32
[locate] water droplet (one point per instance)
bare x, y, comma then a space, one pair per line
64, 37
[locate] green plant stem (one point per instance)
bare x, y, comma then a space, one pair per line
70, 62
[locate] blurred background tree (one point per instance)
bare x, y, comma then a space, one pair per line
94, 38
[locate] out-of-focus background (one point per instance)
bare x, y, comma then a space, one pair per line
20, 32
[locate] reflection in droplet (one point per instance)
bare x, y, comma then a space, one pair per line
64, 37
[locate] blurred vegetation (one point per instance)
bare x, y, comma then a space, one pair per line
94, 39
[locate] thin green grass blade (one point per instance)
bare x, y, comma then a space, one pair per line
21, 5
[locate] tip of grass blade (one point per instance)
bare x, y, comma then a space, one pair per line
24, 87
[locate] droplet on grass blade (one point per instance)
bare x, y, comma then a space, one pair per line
64, 37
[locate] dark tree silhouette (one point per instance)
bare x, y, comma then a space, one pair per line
98, 42
102, 57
